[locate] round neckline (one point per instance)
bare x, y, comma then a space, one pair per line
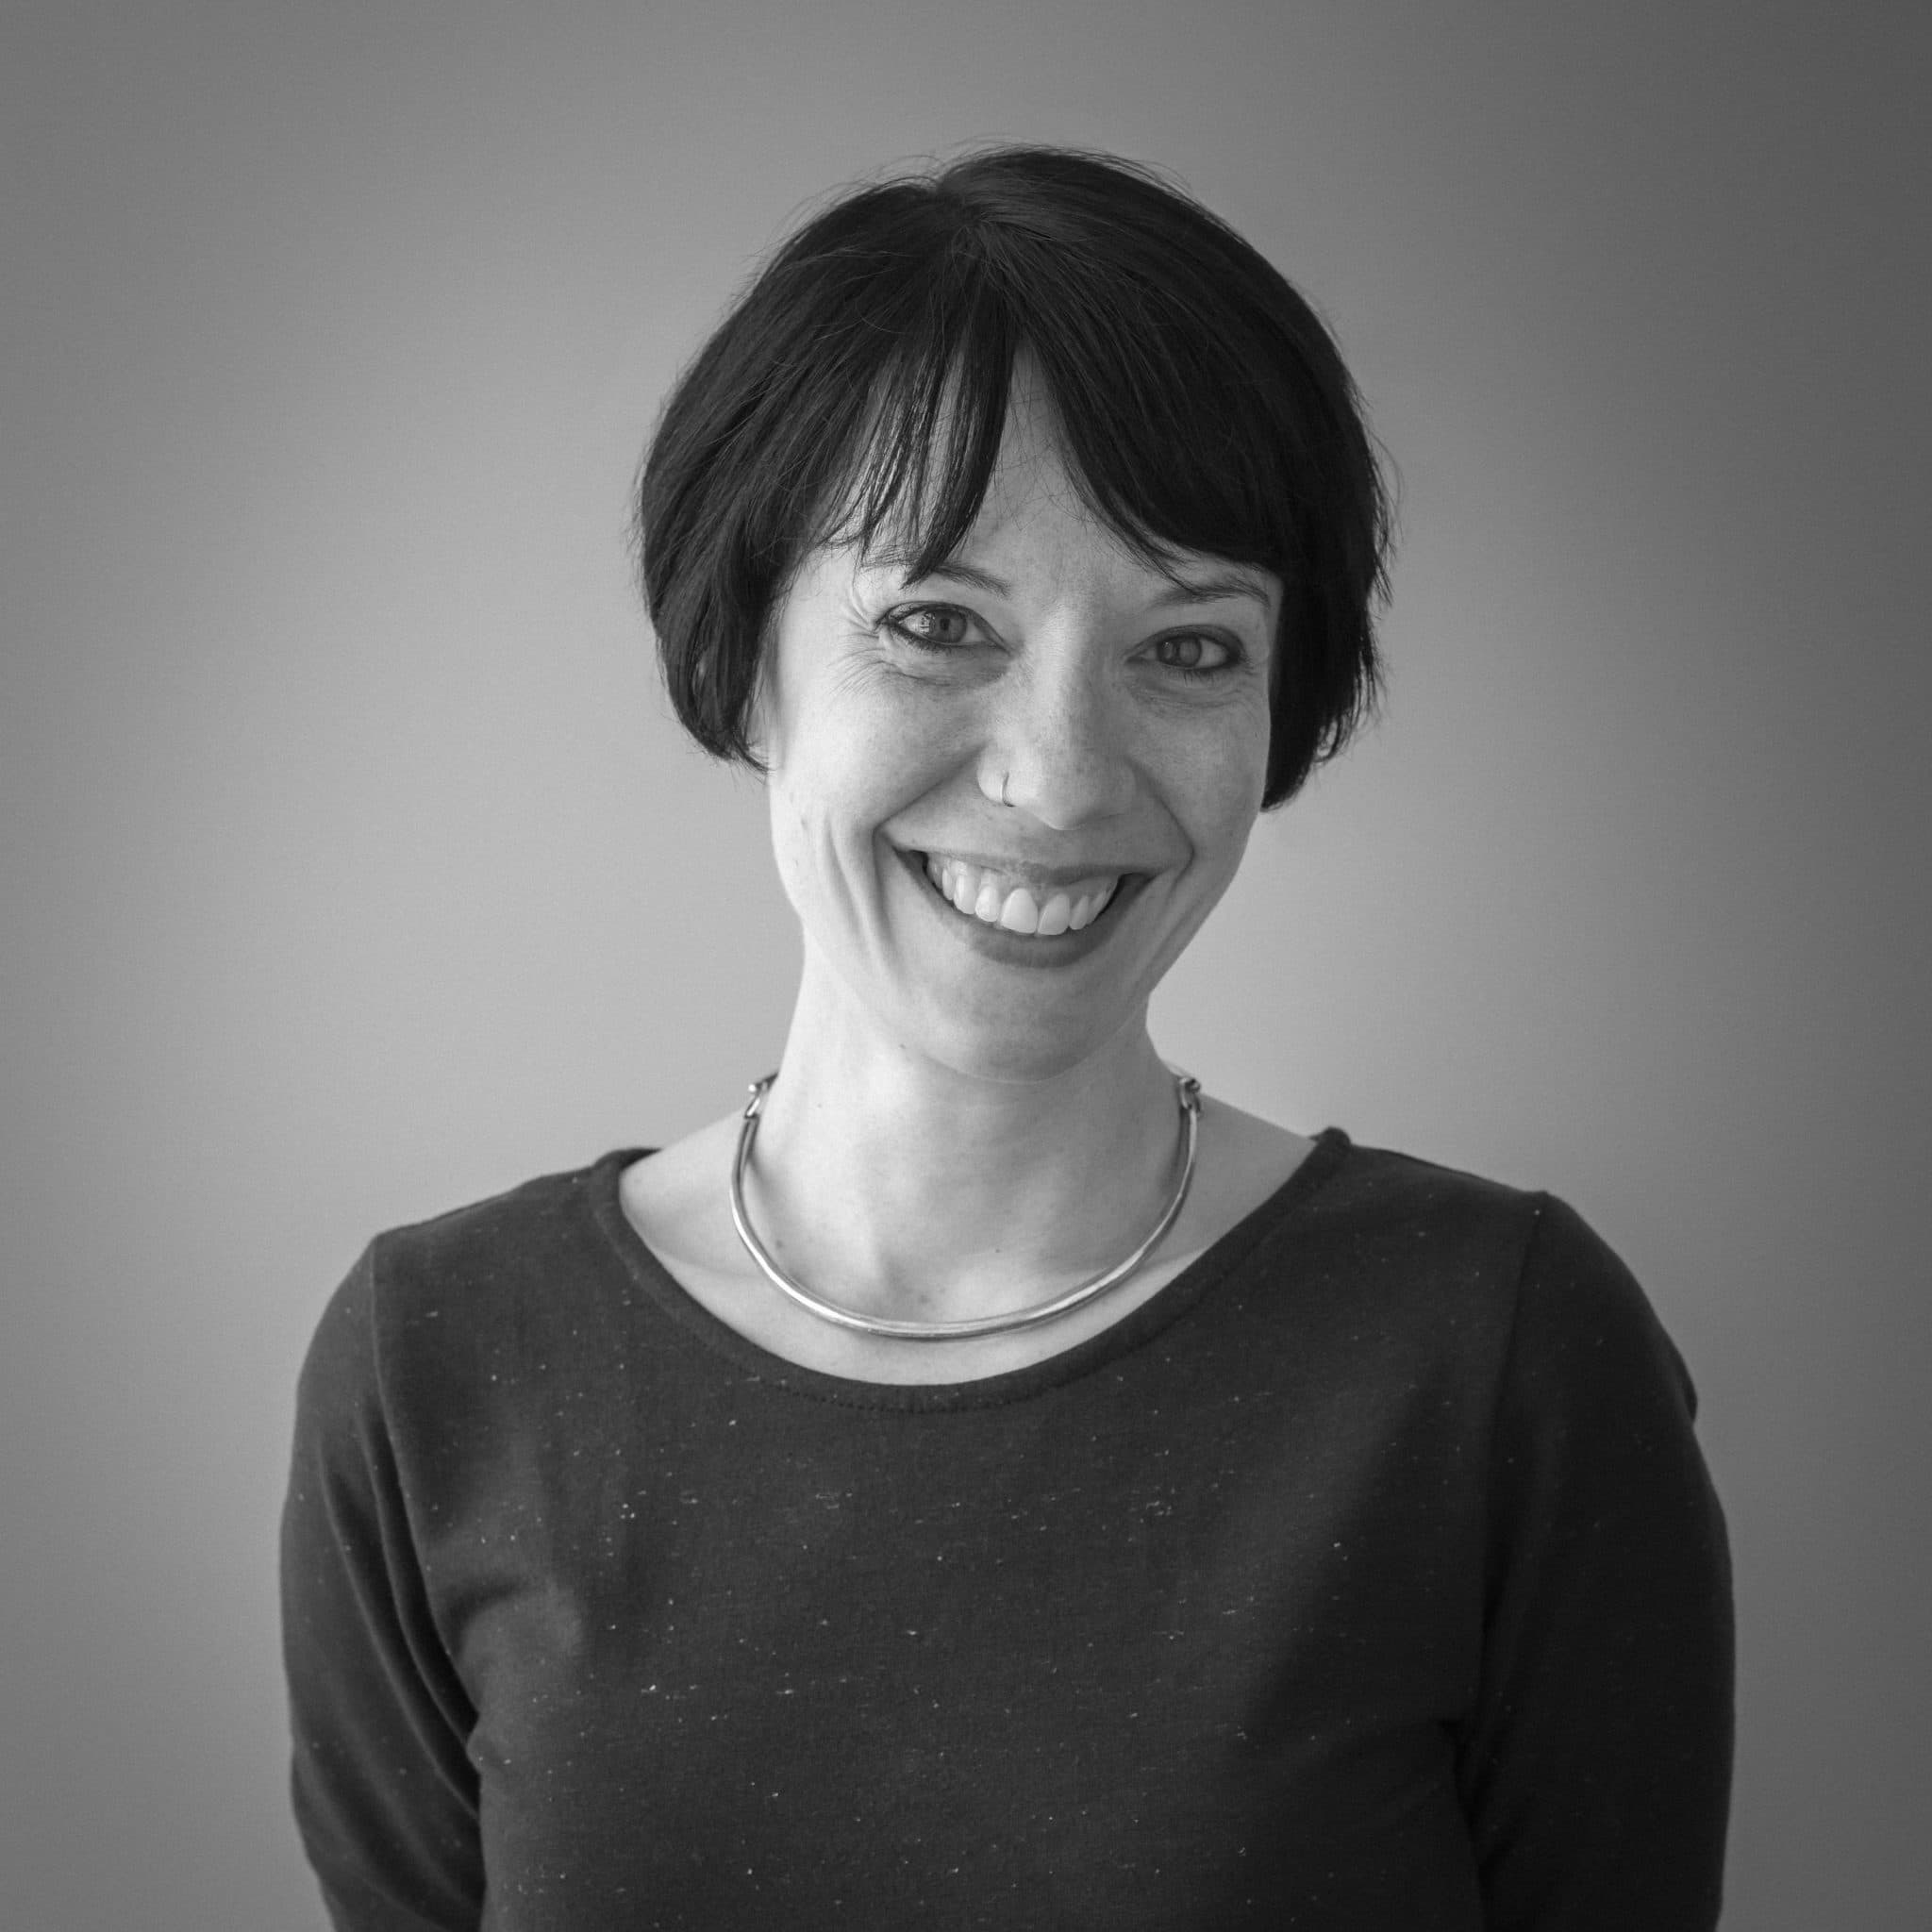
1135, 1328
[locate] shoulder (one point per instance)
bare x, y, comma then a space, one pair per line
488, 1258
1372, 1187
467, 1246
1445, 1218
1396, 1234
459, 1296
1512, 1281
1506, 1305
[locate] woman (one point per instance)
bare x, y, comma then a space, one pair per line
988, 1482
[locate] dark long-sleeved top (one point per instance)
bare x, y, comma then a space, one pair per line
1367, 1576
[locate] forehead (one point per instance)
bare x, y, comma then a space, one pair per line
1032, 495
1036, 523
1033, 512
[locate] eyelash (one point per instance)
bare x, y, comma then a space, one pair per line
894, 623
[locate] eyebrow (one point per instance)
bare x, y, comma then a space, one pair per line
950, 570
1206, 589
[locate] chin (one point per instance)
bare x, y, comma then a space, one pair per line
1011, 1050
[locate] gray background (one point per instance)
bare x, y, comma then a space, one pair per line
352, 869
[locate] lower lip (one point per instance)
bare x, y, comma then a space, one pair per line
1018, 948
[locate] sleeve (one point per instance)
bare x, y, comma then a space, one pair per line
1595, 1772
385, 1796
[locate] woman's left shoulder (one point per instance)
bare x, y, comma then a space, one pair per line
1564, 1302
1422, 1208
1471, 1249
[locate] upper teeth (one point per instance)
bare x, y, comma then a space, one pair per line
1003, 899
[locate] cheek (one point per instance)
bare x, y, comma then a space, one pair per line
844, 772
873, 745
1218, 786
840, 780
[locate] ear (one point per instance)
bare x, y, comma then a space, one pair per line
759, 710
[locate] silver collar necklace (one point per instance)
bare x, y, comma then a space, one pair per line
1187, 1094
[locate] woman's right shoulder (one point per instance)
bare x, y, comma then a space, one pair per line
449, 1294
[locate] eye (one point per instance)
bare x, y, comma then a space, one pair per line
932, 626
1197, 653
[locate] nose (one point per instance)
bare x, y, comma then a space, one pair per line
1060, 748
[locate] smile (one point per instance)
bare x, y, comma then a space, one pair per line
1019, 904
996, 934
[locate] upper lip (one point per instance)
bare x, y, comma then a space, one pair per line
1031, 870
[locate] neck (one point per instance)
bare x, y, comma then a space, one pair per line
899, 1186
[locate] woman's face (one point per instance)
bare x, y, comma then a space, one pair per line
1122, 711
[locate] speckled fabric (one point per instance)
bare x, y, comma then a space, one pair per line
1368, 1575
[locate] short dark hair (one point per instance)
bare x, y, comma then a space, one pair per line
861, 383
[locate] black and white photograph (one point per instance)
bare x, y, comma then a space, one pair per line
964, 966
